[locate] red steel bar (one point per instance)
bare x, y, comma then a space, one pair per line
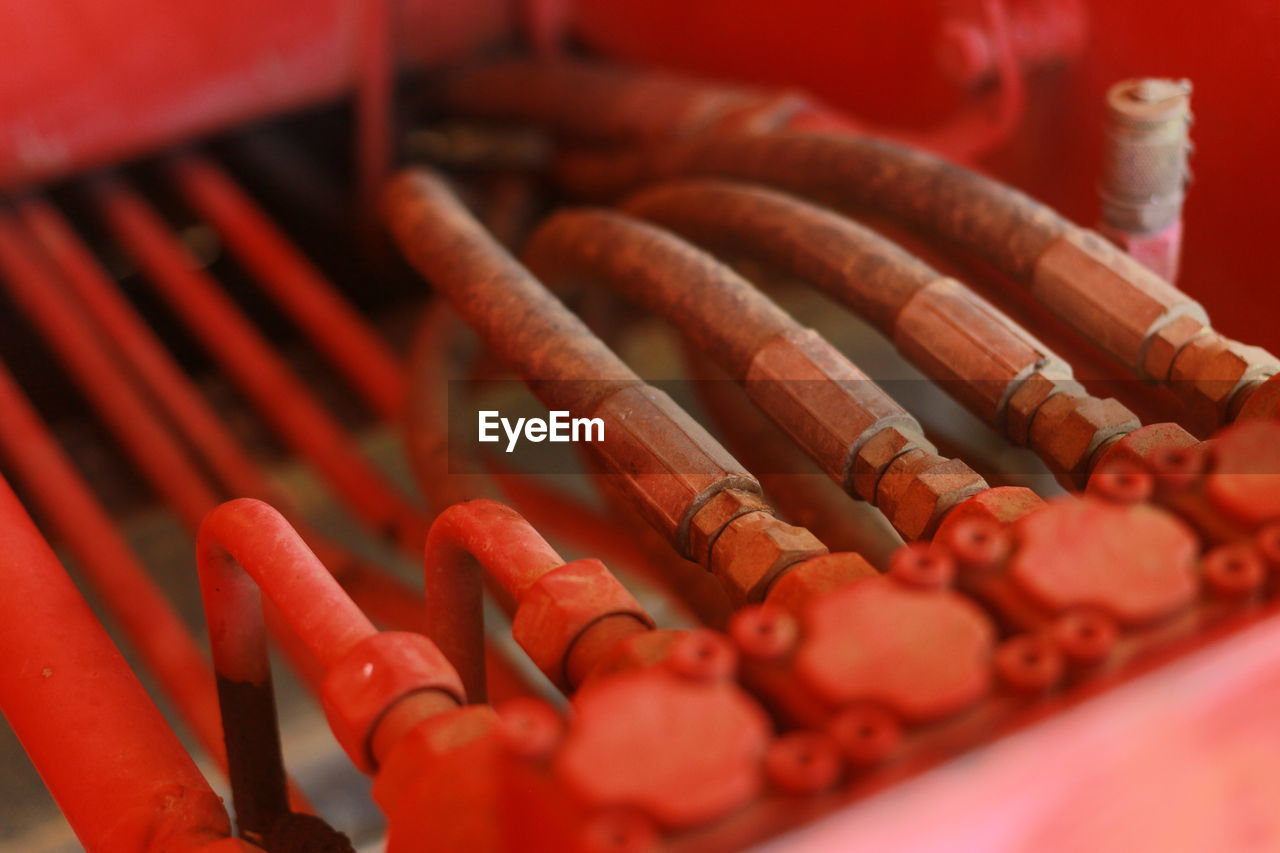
390, 600
141, 349
154, 628
245, 545
309, 299
252, 363
106, 754
34, 286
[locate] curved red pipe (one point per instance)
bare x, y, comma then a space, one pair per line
245, 546
506, 547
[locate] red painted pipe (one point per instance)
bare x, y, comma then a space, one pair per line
106, 754
301, 290
244, 546
141, 349
154, 628
252, 363
389, 600
35, 287
506, 547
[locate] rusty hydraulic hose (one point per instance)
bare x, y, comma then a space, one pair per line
678, 477
1155, 330
446, 477
990, 364
856, 433
559, 605
116, 769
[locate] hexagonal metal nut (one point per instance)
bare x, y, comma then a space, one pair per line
874, 456
817, 576
1105, 294
662, 460
723, 507
754, 549
1002, 505
378, 672
1067, 431
1165, 344
1027, 399
555, 610
1207, 373
1135, 449
919, 488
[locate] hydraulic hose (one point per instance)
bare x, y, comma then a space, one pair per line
1144, 322
670, 468
990, 364
856, 433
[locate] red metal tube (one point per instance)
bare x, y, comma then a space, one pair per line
252, 363
118, 772
390, 601
154, 628
139, 347
38, 292
486, 536
245, 546
309, 299
506, 547
170, 390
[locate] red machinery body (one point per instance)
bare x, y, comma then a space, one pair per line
803, 603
